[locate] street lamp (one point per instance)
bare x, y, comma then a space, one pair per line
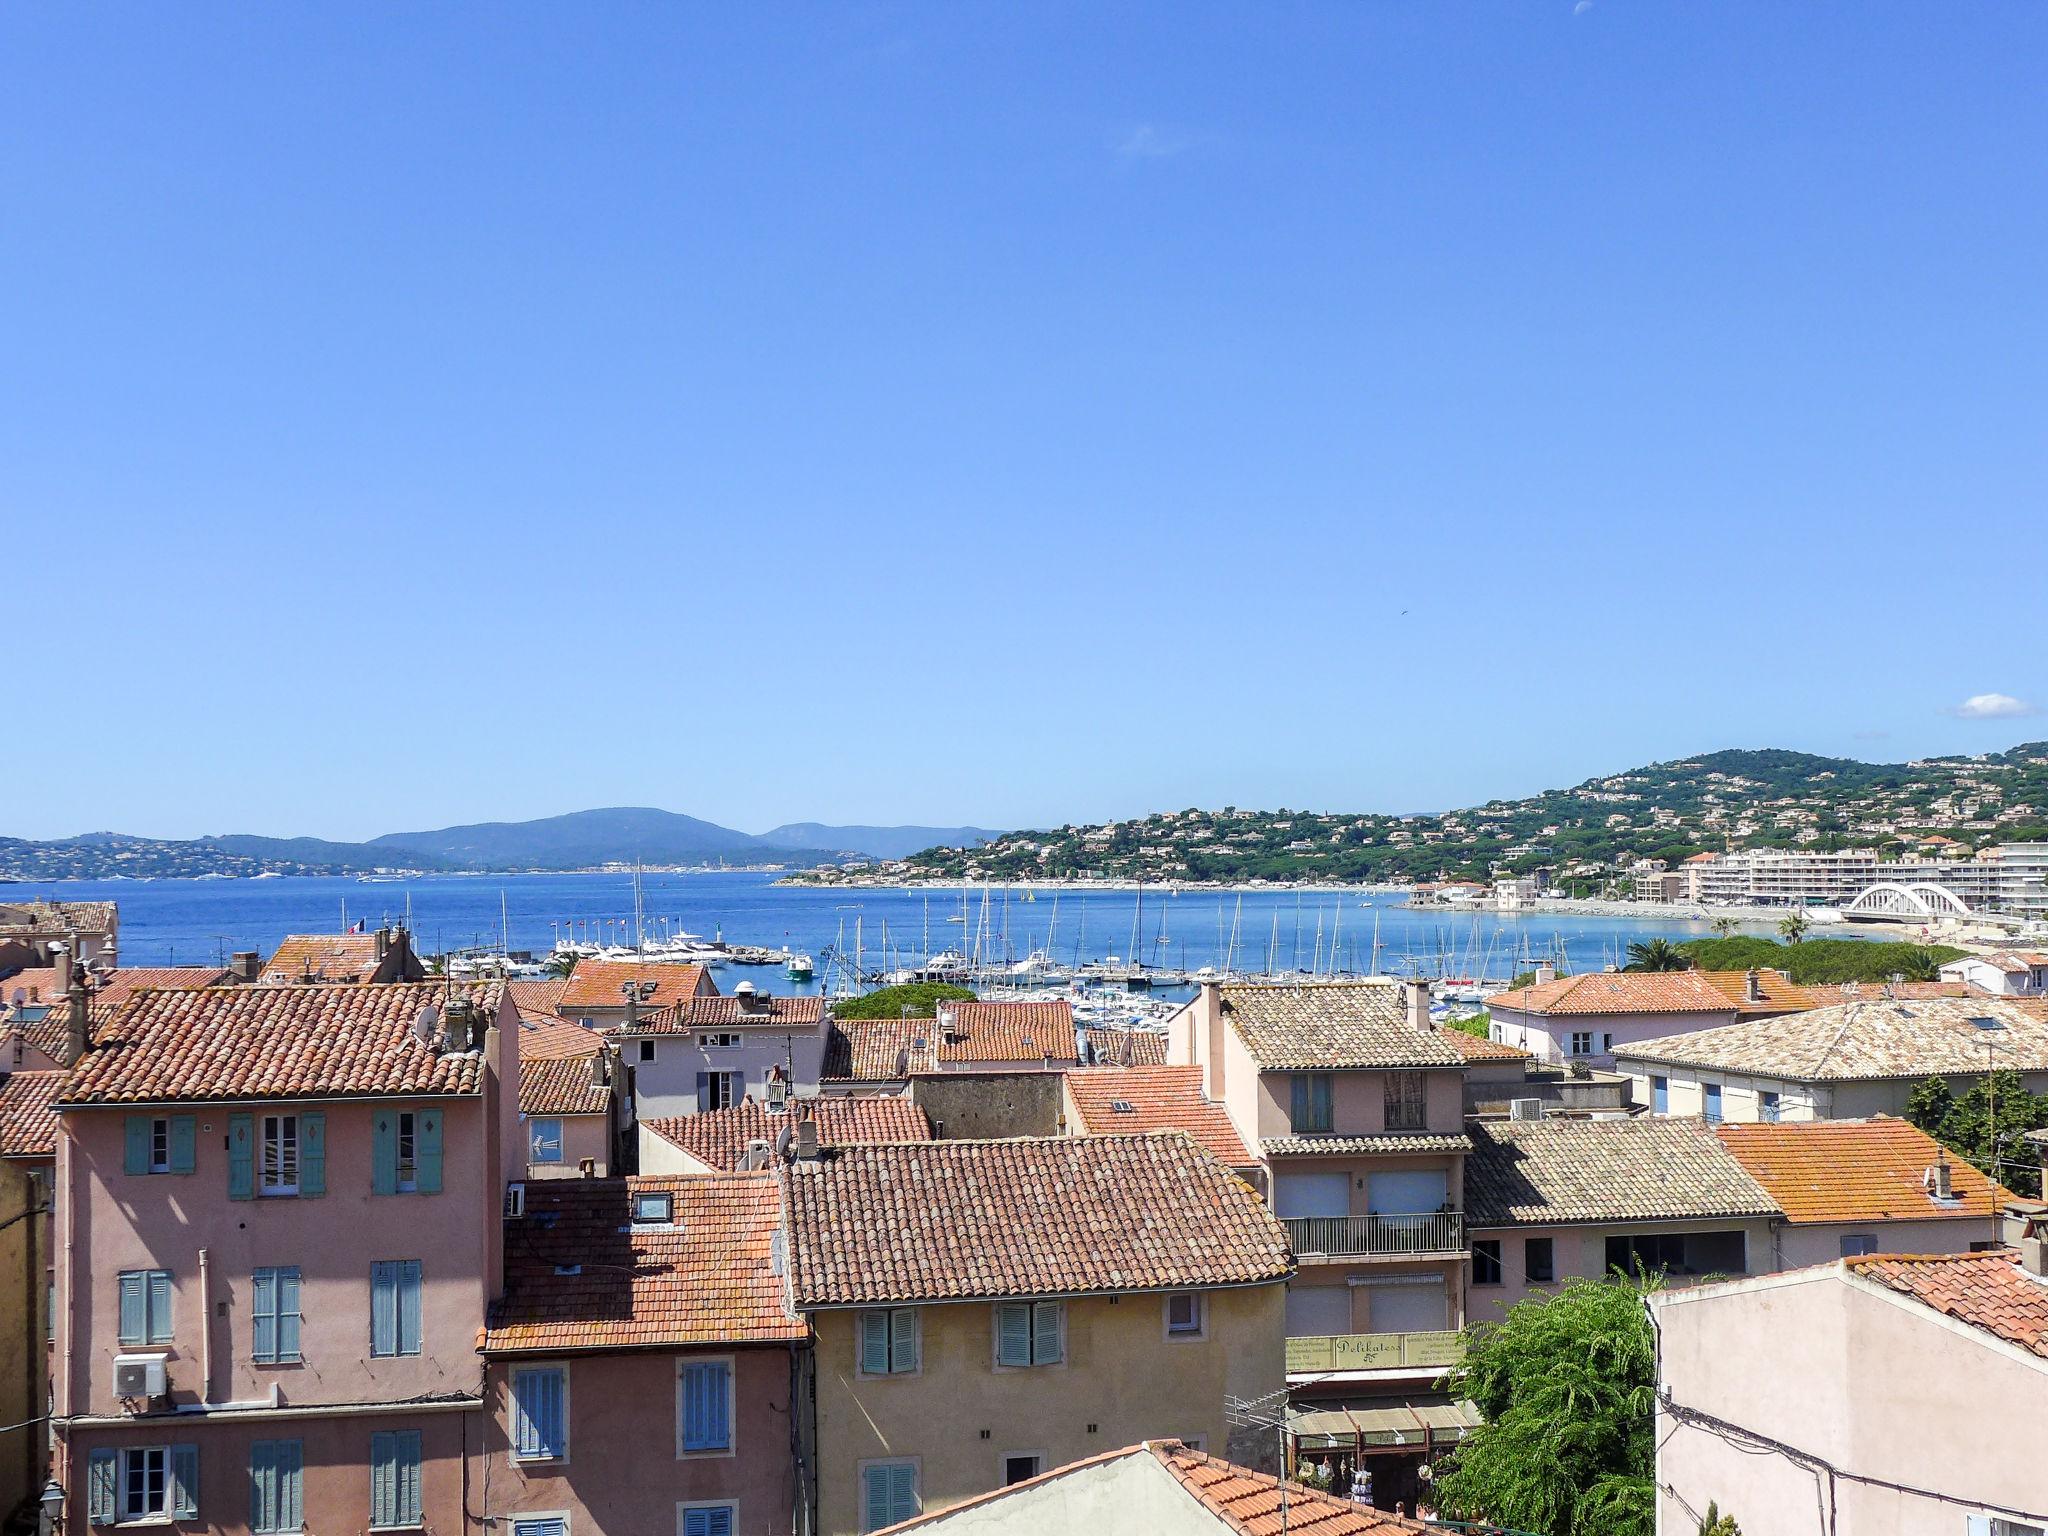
52, 1501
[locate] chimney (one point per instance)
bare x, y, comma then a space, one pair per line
2026, 1228
807, 1139
755, 1157
383, 938
1939, 1181
1417, 995
1752, 987
632, 995
600, 1070
587, 1167
77, 1036
1545, 972
245, 966
455, 1025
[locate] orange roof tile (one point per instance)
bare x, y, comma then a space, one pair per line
1987, 1290
954, 1220
124, 982
976, 1031
1777, 992
595, 984
1855, 1170
322, 957
1112, 1101
761, 1010
543, 1039
1617, 992
277, 1042
579, 1274
875, 1050
28, 1125
36, 984
719, 1137
537, 995
561, 1085
1472, 1048
1250, 1503
1115, 1047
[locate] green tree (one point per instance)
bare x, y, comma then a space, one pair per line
560, 963
1657, 955
1793, 926
1718, 1524
1567, 1386
917, 1000
1964, 1124
1724, 927
1478, 1025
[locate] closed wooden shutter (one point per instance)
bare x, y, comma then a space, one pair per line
241, 1157
903, 1339
135, 1147
312, 1155
1046, 1323
182, 1498
384, 1153
874, 1343
427, 1152
134, 1327
184, 1143
102, 1487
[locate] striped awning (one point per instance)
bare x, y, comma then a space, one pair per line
1382, 1424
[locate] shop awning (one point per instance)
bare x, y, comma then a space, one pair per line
1382, 1424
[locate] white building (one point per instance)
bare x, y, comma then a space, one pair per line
2002, 972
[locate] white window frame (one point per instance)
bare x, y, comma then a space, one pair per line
1192, 1335
1572, 1047
860, 1474
860, 1371
160, 1136
406, 1136
995, 1340
721, 1040
561, 1458
732, 1423
512, 1523
1866, 1241
731, 1087
1003, 1467
532, 1140
162, 1513
278, 1188
684, 1508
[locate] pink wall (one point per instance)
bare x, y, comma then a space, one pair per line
1821, 1242
1358, 1102
1547, 1035
582, 1136
1580, 1253
622, 1475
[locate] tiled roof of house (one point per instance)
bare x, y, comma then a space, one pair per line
560, 1085
889, 1050
28, 1125
1617, 992
1250, 1503
1827, 993
227, 1043
2013, 962
1778, 993
25, 918
537, 995
595, 984
36, 984
1856, 1170
954, 1220
973, 1031
1347, 1146
331, 957
1126, 1047
1122, 1101
580, 1275
1332, 1024
1472, 1048
46, 1026
542, 1038
763, 1010
719, 1137
1986, 1290
1878, 1038
1537, 1172
125, 981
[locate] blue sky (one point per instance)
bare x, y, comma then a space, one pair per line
1005, 414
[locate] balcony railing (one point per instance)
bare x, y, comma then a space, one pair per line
1346, 1237
1373, 1351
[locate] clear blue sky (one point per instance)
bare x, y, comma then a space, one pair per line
418, 414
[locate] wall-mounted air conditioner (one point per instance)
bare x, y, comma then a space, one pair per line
139, 1376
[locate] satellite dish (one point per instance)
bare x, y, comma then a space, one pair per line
424, 1023
782, 1141
20, 996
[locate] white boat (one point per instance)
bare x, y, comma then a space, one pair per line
798, 967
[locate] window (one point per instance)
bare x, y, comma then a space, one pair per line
1855, 1243
546, 1525
1309, 1114
1021, 1469
276, 1316
706, 1411
145, 1306
395, 1307
544, 1141
280, 1155
405, 1152
1184, 1315
408, 1152
1679, 1253
708, 1519
1407, 1109
653, 1208
718, 1041
1539, 1261
1030, 1333
1581, 1043
889, 1343
540, 1413
1767, 1105
1710, 1101
1486, 1261
646, 1049
1660, 1095
159, 1144
888, 1493
395, 1478
277, 1479
720, 1090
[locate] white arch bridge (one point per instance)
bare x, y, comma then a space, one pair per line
1917, 901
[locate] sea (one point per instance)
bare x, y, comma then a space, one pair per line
203, 921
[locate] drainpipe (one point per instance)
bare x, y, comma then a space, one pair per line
205, 1329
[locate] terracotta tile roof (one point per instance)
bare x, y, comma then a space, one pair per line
28, 1125
975, 1031
1617, 992
1472, 1048
45, 1026
594, 984
124, 982
36, 984
321, 957
21, 919
719, 1137
1829, 993
2013, 962
1332, 1024
228, 1043
889, 1050
1122, 1101
764, 1010
580, 1275
1250, 1503
1536, 1172
1345, 1146
1855, 1170
1986, 1290
1127, 1047
954, 1220
542, 1039
537, 995
1779, 993
1852, 1042
561, 1085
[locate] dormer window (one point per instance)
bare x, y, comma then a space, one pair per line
653, 1208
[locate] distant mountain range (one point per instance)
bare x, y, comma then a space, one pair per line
579, 840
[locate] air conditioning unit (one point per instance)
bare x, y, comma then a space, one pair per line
515, 1201
1525, 1109
139, 1376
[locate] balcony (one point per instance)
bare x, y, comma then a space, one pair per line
1364, 1237
1373, 1352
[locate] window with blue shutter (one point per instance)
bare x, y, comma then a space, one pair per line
540, 1413
395, 1307
277, 1473
544, 1140
395, 1478
184, 1143
708, 1520
145, 1296
241, 1157
1712, 1105
427, 1153
888, 1494
312, 1155
1660, 1095
707, 1405
276, 1316
554, 1525
184, 1490
384, 1153
140, 1130
889, 1342
1030, 1333
103, 1487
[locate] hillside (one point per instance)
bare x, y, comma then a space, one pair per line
1718, 801
877, 842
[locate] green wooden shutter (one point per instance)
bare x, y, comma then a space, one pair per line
135, 1150
1013, 1333
263, 1314
102, 1487
384, 1308
902, 1492
426, 1152
384, 1478
384, 1153
134, 1327
288, 1314
1045, 1332
241, 1157
159, 1306
184, 1144
409, 1307
312, 1155
877, 1499
874, 1343
184, 1490
903, 1339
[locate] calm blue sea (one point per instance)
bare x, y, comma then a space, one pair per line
165, 922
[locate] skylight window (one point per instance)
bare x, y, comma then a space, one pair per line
1122, 1107
1980, 1022
653, 1208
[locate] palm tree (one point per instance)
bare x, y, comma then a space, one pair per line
1792, 928
1724, 927
561, 963
1657, 955
1718, 1524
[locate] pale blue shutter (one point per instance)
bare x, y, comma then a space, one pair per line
1297, 1108
426, 1152
903, 1339
409, 1307
703, 1092
277, 1485
288, 1314
159, 1306
184, 1144
263, 1485
409, 1476
102, 1487
874, 1343
708, 1520
263, 1308
877, 1499
717, 1394
184, 1490
312, 1154
384, 1308
902, 1492
384, 1153
136, 1147
539, 1425
1013, 1334
241, 1157
291, 1484
134, 1308
383, 1478
1045, 1332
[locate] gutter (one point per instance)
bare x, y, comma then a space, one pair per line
993, 1297
263, 1411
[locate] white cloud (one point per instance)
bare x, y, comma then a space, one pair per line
1994, 706
1150, 142
1582, 7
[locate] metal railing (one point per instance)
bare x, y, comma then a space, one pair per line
1366, 1236
1373, 1351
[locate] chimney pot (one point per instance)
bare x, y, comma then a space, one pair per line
246, 965
1545, 972
1417, 995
